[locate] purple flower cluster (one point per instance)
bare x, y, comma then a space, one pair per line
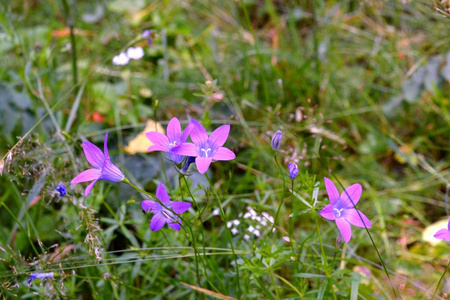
204, 148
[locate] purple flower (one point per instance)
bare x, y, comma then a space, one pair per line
146, 34
276, 140
189, 161
293, 170
61, 189
103, 167
170, 142
206, 149
34, 276
444, 233
161, 214
341, 209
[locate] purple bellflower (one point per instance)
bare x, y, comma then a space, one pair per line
103, 167
293, 170
34, 276
342, 210
206, 149
444, 233
173, 140
161, 214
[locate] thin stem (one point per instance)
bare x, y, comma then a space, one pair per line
440, 280
284, 190
228, 231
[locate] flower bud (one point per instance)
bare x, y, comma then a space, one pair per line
276, 140
293, 170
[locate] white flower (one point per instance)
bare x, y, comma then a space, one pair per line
256, 232
234, 231
246, 237
215, 212
135, 53
121, 59
229, 224
286, 239
236, 222
251, 228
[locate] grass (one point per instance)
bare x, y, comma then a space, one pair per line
360, 91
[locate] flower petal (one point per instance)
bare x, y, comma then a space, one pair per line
161, 194
87, 175
157, 222
105, 145
158, 139
151, 206
352, 194
156, 148
219, 136
332, 191
176, 158
202, 163
174, 226
111, 172
180, 207
448, 226
90, 186
198, 134
352, 216
327, 212
345, 229
443, 234
174, 130
224, 154
93, 154
186, 132
186, 149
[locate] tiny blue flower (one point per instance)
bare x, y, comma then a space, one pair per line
61, 189
40, 276
293, 170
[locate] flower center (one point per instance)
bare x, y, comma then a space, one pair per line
338, 212
205, 152
172, 144
169, 215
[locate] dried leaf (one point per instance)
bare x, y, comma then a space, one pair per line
141, 143
208, 292
430, 231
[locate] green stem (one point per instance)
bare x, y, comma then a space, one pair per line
440, 280
230, 238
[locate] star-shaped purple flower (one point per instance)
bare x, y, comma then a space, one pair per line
444, 233
103, 167
342, 210
161, 214
206, 149
170, 142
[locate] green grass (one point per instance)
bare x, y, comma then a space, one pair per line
360, 91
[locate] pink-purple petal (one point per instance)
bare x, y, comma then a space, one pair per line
327, 212
161, 194
202, 164
186, 149
90, 186
186, 132
151, 206
352, 194
443, 234
180, 207
111, 172
105, 146
448, 226
87, 175
198, 134
224, 154
156, 148
158, 138
157, 222
332, 191
219, 136
93, 154
174, 130
345, 229
174, 226
352, 216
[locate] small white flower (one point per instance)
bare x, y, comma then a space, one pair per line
246, 237
251, 228
135, 53
256, 232
247, 215
234, 231
258, 227
216, 212
236, 222
121, 59
286, 239
229, 224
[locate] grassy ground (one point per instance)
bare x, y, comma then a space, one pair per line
360, 90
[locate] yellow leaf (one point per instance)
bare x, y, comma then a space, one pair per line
429, 232
141, 143
208, 292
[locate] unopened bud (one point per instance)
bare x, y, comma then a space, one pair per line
276, 140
